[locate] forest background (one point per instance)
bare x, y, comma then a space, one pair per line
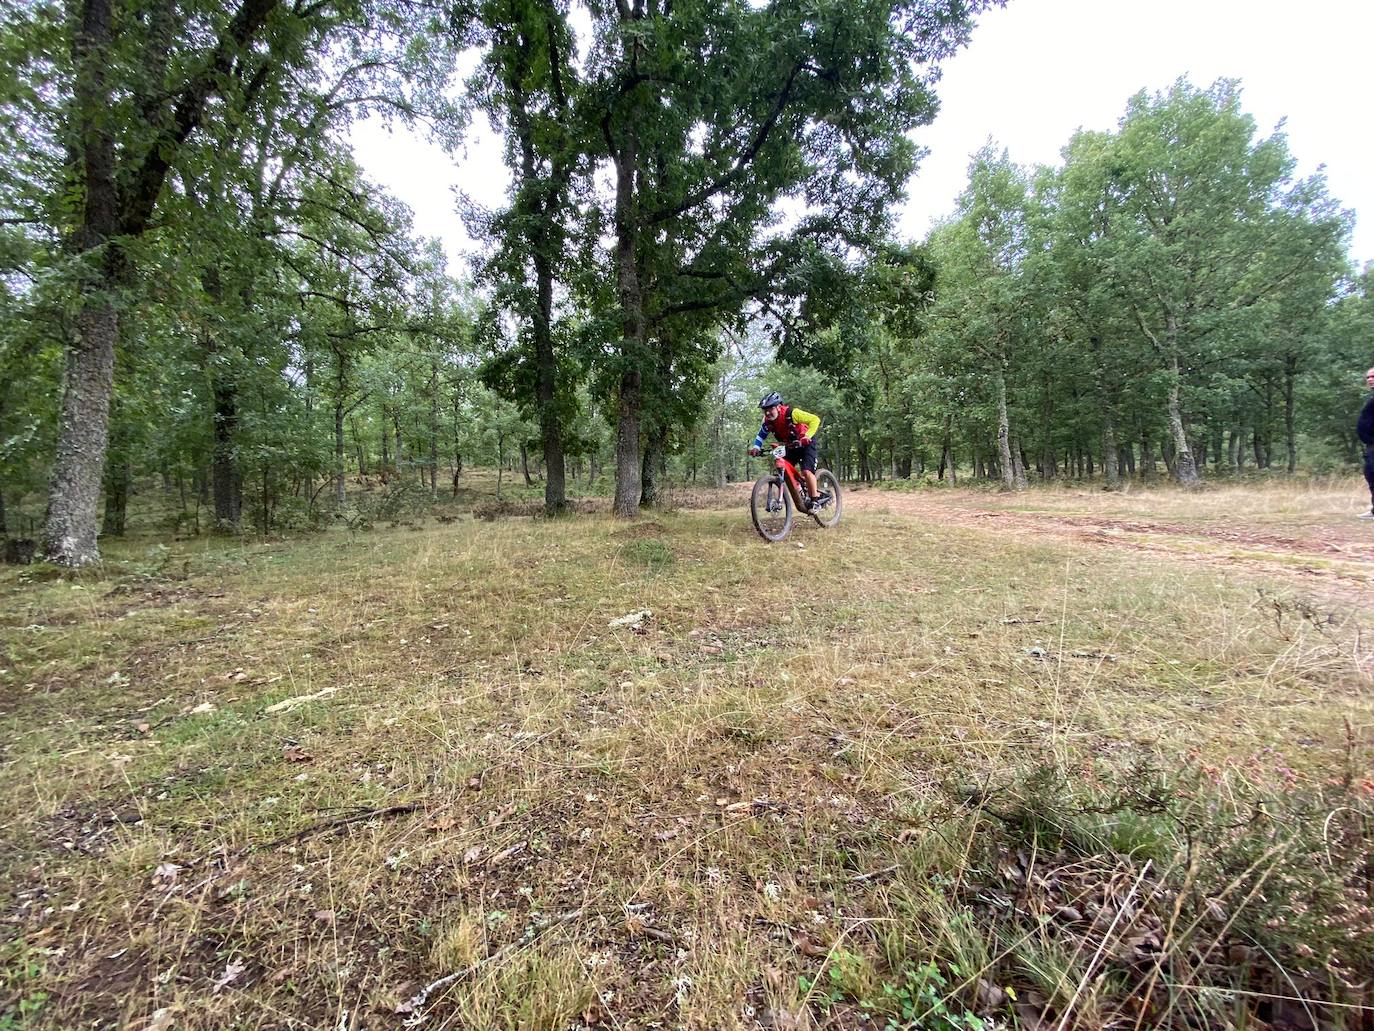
204, 295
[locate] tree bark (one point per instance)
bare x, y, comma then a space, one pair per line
114, 207
433, 426
226, 485
339, 496
651, 476
525, 464
1290, 372
69, 533
545, 392
1111, 468
117, 480
1185, 471
633, 325
628, 460
1010, 480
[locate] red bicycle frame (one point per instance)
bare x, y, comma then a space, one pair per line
787, 473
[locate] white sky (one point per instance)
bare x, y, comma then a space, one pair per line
1036, 71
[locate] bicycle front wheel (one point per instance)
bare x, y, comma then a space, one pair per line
770, 506
829, 513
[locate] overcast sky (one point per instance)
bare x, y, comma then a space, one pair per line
1034, 72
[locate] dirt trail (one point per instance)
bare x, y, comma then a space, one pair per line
1333, 559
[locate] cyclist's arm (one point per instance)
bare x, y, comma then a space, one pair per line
763, 434
811, 422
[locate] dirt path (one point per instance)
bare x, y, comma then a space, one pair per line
1335, 560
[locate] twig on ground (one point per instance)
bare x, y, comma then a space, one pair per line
422, 996
326, 826
874, 874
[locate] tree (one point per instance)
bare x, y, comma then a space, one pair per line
1197, 232
527, 86
709, 115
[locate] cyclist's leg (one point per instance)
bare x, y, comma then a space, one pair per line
804, 458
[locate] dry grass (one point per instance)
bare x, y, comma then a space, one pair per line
868, 776
1256, 502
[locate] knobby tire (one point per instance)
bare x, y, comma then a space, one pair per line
771, 522
830, 514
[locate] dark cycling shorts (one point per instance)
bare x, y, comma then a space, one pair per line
803, 457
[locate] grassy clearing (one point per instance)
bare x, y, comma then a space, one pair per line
1252, 503
908, 775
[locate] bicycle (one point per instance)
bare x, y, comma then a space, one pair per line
776, 495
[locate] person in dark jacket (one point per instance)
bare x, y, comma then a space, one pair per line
1364, 428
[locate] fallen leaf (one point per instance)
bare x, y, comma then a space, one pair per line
990, 997
324, 916
505, 854
442, 823
473, 854
166, 873
668, 835
202, 708
294, 753
161, 1020
231, 973
807, 947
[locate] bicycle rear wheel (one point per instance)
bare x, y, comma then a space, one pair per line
770, 506
829, 513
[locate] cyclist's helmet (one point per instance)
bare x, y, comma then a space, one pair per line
770, 399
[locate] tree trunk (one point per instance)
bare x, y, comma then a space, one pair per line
386, 457
1290, 372
226, 486
545, 392
651, 475
1111, 468
1185, 471
69, 533
633, 327
525, 464
433, 426
944, 450
117, 479
628, 461
1010, 480
339, 496
500, 461
359, 445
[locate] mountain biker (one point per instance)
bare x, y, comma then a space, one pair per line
795, 429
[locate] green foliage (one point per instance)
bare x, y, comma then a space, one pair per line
22, 965
1168, 292
919, 997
